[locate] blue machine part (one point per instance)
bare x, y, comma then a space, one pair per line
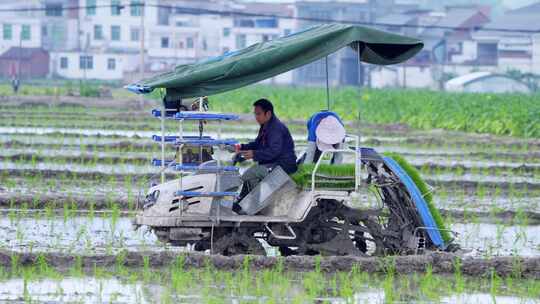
206, 141
194, 115
314, 120
419, 202
174, 138
168, 138
168, 114
157, 162
205, 116
214, 168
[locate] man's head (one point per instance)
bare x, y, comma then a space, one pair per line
263, 110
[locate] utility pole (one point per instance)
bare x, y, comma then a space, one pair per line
371, 19
141, 36
20, 57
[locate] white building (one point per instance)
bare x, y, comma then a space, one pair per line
51, 29
18, 29
113, 27
182, 37
512, 49
92, 65
242, 31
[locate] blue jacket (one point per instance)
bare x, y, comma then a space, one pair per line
274, 145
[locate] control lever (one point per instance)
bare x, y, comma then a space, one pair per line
238, 159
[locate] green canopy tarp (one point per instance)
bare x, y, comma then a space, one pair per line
267, 59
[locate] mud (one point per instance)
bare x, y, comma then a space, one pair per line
531, 156
68, 230
489, 168
298, 135
82, 159
99, 201
463, 167
466, 140
471, 186
123, 145
506, 216
74, 101
467, 183
59, 201
440, 263
66, 174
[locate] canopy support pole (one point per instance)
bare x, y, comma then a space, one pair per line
358, 161
327, 86
162, 121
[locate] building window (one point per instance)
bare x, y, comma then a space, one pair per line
115, 32
240, 41
98, 32
115, 8
134, 34
487, 53
183, 23
25, 32
53, 9
266, 23
7, 30
244, 23
63, 62
111, 64
226, 32
164, 42
90, 7
86, 62
163, 15
189, 43
136, 8
44, 31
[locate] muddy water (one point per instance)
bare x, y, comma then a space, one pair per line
123, 133
506, 168
489, 203
534, 181
98, 168
87, 290
485, 239
105, 234
70, 152
447, 177
78, 234
90, 289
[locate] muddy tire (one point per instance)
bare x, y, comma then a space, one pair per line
230, 245
287, 251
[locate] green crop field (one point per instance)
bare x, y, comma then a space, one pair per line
501, 114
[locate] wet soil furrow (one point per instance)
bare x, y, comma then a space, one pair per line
440, 263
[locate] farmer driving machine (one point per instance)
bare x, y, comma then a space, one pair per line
322, 208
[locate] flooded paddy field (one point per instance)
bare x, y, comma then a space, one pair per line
70, 180
92, 232
178, 282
